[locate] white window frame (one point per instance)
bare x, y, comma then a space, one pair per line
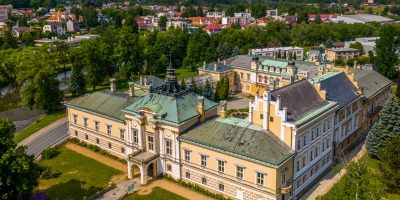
221, 166
260, 178
135, 134
187, 154
168, 147
239, 172
203, 160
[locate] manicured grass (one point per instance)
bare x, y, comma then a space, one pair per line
182, 73
156, 193
43, 122
80, 176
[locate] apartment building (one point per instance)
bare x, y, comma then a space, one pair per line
295, 53
341, 53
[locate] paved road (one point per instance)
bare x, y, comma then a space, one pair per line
46, 137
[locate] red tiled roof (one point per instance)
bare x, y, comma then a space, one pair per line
213, 27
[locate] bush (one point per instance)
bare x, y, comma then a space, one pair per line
50, 153
97, 149
41, 195
49, 174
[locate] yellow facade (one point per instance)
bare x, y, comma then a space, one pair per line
273, 179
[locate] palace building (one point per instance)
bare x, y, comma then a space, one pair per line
286, 141
249, 74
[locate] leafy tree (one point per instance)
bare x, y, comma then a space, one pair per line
197, 49
19, 172
77, 80
207, 92
130, 53
390, 164
193, 86
37, 77
162, 23
92, 60
386, 47
183, 84
358, 45
131, 23
318, 19
386, 128
89, 14
108, 44
27, 39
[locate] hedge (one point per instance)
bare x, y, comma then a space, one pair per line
96, 149
195, 188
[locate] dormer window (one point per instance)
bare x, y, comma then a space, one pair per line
277, 70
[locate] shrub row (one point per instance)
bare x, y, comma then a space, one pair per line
96, 149
195, 188
50, 153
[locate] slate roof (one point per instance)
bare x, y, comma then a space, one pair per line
239, 138
338, 87
300, 99
104, 103
220, 67
153, 81
169, 108
241, 61
372, 82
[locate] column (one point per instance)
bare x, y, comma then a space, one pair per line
130, 175
143, 174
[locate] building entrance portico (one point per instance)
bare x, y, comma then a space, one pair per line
147, 164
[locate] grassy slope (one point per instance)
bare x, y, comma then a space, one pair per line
81, 176
182, 73
373, 166
156, 193
43, 122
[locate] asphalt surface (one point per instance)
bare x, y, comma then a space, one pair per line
46, 137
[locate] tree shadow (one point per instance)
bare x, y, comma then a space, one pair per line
72, 189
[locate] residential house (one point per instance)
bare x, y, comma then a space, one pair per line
73, 26
18, 31
55, 27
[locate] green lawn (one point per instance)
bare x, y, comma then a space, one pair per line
182, 73
43, 122
80, 176
156, 193
373, 167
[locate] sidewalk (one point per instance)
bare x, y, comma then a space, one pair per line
173, 187
43, 131
332, 177
120, 190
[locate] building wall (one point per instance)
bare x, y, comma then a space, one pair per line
272, 178
119, 145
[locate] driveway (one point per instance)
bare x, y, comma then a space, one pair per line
46, 137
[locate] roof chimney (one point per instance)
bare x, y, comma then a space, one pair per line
285, 114
215, 66
223, 109
131, 89
204, 64
113, 86
200, 108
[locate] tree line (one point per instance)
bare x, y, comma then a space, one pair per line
127, 51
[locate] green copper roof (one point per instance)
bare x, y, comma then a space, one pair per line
169, 108
239, 138
104, 103
274, 63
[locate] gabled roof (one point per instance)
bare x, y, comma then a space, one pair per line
239, 138
338, 87
105, 103
169, 108
372, 82
300, 99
